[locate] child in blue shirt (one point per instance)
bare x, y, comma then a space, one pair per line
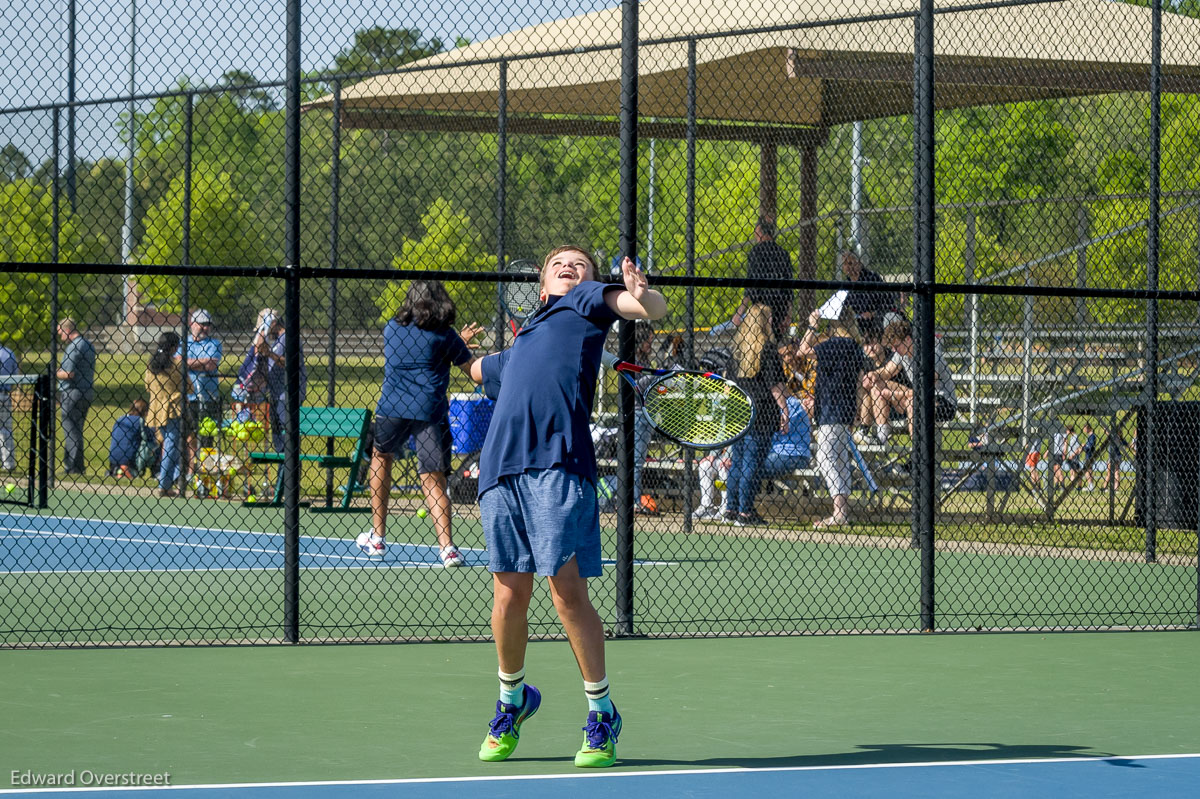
537, 486
127, 434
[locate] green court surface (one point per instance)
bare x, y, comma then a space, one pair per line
258, 714
715, 580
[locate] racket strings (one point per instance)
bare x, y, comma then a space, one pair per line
697, 409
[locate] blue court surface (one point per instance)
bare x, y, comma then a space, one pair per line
1149, 776
32, 544
64, 544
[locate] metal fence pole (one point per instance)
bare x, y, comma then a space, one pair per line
689, 236
972, 311
628, 247
187, 426
924, 464
71, 75
1081, 268
55, 236
501, 196
1152, 231
291, 483
335, 187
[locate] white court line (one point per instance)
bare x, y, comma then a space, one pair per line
616, 774
193, 545
352, 558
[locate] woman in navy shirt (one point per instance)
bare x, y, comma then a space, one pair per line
840, 364
419, 345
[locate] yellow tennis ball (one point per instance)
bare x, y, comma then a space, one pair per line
422, 513
10, 487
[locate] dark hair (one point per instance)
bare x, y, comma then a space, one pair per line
139, 407
163, 358
767, 226
427, 305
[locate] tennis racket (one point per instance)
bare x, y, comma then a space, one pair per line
701, 410
521, 298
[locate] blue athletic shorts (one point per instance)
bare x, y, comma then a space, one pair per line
433, 441
536, 522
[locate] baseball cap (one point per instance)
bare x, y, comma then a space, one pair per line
201, 317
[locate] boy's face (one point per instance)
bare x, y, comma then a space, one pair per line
565, 271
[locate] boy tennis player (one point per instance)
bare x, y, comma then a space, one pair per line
537, 486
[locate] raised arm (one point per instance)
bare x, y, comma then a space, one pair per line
638, 300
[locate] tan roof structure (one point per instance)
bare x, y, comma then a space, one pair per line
774, 85
780, 87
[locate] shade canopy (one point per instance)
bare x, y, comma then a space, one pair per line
779, 86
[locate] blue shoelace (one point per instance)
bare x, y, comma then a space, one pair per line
502, 723
598, 732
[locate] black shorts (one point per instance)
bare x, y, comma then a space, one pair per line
432, 441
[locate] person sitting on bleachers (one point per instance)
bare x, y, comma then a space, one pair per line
791, 450
889, 395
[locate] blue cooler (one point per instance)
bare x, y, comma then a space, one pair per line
470, 415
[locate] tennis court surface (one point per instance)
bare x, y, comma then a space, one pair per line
1032, 714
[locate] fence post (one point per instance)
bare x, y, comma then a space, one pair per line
55, 236
924, 462
186, 424
335, 186
972, 311
690, 260
501, 197
1151, 389
291, 448
1081, 270
628, 247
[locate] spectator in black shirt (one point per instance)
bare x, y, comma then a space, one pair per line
869, 306
768, 261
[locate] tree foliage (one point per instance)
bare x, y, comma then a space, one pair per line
223, 232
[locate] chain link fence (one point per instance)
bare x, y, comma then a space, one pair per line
975, 229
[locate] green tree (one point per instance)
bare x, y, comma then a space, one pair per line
14, 164
450, 243
223, 233
381, 48
27, 236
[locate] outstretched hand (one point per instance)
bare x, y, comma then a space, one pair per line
469, 332
635, 279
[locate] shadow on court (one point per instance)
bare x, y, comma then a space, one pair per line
869, 754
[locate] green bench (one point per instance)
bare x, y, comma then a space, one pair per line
326, 423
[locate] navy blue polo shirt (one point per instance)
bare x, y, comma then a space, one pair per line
840, 363
544, 387
416, 371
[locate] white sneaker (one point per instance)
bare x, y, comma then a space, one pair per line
451, 556
705, 512
370, 544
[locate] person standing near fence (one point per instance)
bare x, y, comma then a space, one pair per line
164, 384
840, 364
76, 390
419, 346
767, 260
537, 487
276, 340
8, 366
204, 394
760, 374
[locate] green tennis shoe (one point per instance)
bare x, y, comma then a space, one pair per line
504, 731
599, 740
